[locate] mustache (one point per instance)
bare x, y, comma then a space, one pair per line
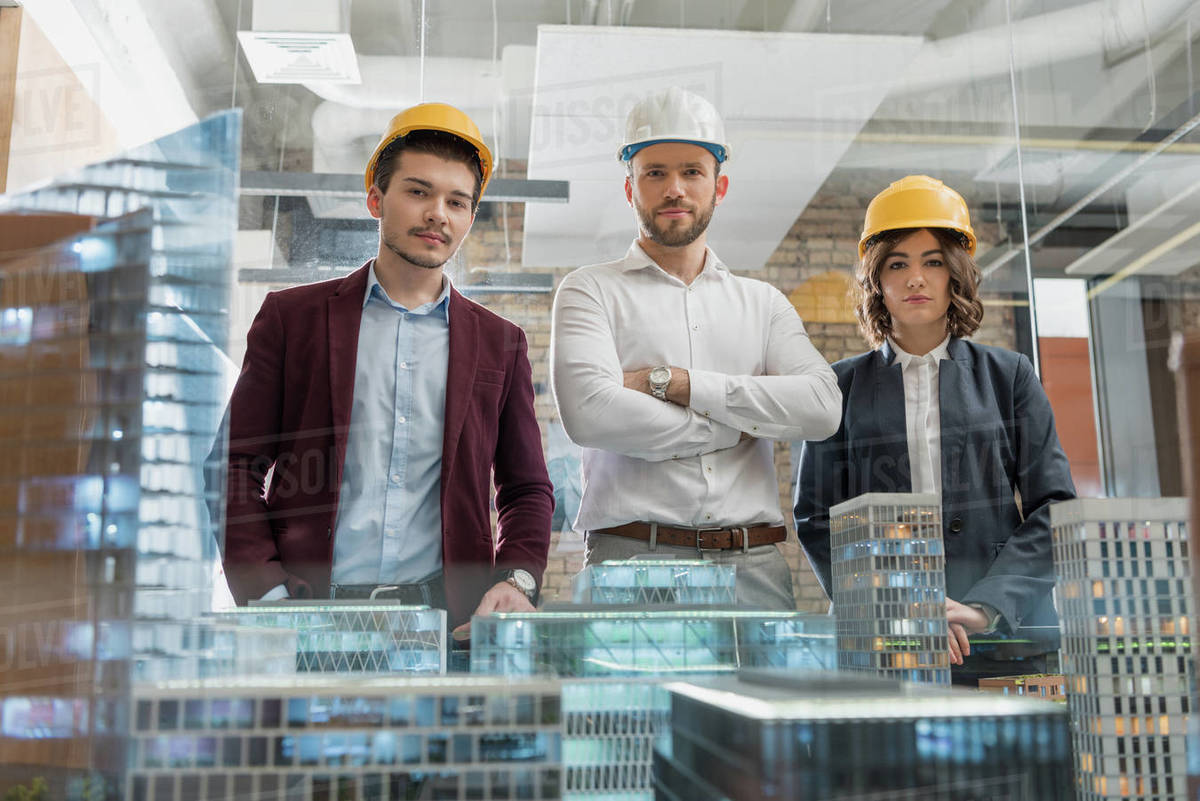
435, 232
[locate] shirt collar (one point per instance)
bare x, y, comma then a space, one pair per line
905, 358
441, 305
636, 259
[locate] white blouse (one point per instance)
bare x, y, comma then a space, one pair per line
923, 415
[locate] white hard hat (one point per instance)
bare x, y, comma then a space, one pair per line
675, 115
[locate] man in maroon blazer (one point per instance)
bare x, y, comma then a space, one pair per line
373, 412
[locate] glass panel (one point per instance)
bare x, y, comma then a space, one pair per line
227, 152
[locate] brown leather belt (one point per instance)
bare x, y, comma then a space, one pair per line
707, 539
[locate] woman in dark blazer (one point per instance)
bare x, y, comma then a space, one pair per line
930, 411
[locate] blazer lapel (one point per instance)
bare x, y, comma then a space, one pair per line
460, 377
345, 316
954, 394
889, 412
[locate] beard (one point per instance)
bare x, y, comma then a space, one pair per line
669, 234
430, 261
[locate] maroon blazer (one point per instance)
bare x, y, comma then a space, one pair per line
288, 423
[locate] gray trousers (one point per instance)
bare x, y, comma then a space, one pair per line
763, 576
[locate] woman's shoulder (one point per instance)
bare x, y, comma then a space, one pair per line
991, 357
845, 368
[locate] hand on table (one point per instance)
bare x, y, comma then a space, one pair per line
502, 597
963, 620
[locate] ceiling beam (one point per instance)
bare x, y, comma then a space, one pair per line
259, 183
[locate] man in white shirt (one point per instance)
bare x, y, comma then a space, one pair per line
674, 375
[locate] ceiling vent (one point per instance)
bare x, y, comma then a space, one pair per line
301, 41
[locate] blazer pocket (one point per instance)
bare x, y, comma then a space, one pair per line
485, 376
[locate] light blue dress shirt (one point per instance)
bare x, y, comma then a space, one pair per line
389, 523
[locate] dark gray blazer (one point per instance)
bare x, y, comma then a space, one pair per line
997, 436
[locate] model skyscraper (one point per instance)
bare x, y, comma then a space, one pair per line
889, 586
1124, 593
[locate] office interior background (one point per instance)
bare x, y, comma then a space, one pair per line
1070, 127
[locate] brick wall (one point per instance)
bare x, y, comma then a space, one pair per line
823, 238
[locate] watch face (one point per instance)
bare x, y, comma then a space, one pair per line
524, 581
660, 376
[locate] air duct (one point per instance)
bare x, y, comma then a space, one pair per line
1115, 27
297, 41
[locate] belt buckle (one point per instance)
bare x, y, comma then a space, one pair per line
375, 593
743, 530
700, 532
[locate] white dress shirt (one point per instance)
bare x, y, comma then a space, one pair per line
923, 415
752, 369
923, 421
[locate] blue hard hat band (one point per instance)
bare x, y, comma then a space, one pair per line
719, 152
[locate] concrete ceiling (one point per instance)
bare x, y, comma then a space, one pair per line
927, 108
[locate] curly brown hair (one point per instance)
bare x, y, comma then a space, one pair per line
966, 310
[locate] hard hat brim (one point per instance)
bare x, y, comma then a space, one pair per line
628, 151
481, 150
949, 225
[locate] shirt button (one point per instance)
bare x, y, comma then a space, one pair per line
400, 419
708, 517
403, 365
709, 469
395, 478
695, 327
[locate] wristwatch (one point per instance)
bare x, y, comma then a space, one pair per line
523, 581
660, 379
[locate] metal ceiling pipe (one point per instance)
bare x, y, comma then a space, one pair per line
1113, 27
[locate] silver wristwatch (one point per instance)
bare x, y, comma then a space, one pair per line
660, 379
523, 581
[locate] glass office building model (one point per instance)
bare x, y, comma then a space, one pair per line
354, 637
367, 738
1125, 600
889, 586
855, 736
688, 582
611, 727
112, 377
628, 641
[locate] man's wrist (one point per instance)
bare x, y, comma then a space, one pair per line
520, 580
680, 390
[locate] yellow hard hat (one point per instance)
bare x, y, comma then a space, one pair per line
917, 201
434, 117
